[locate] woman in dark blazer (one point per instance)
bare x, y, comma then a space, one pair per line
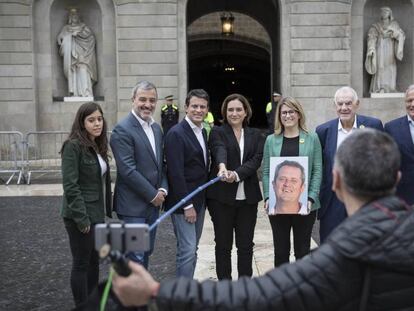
236, 153
86, 194
292, 139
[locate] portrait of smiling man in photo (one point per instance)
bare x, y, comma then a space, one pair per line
288, 185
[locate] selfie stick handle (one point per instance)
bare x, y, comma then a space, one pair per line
120, 263
183, 201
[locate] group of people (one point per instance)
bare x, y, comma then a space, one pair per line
156, 170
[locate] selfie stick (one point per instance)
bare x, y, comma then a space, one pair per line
119, 261
183, 201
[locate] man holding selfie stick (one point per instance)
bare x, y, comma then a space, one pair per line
366, 263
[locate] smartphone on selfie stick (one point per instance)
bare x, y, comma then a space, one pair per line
113, 240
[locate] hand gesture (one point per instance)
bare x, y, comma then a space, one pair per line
222, 171
159, 199
190, 215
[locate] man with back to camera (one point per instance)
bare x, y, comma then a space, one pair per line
402, 130
187, 158
141, 182
331, 135
365, 264
288, 185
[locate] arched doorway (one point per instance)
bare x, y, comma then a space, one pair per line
247, 62
224, 67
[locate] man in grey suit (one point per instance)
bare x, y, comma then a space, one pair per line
141, 182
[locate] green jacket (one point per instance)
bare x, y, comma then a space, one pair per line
309, 146
83, 200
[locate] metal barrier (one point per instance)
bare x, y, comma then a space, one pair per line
12, 154
42, 152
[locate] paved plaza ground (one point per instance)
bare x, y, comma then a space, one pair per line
35, 256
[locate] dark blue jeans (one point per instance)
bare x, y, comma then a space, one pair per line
84, 275
188, 235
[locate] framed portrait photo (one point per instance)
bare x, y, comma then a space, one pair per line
288, 186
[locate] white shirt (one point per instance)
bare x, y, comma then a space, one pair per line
198, 131
343, 133
411, 126
102, 163
303, 210
146, 126
240, 195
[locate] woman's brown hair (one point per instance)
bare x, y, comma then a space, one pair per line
100, 145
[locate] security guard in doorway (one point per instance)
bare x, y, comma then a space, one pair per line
169, 114
271, 110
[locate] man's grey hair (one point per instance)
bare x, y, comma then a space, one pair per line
346, 89
143, 85
291, 164
368, 162
409, 89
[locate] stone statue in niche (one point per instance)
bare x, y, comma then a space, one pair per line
77, 47
385, 46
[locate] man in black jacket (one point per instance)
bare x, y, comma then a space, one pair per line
367, 263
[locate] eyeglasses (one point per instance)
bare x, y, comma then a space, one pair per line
290, 112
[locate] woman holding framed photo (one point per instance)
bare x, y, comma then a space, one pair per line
292, 139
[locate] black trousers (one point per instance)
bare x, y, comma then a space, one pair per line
84, 275
240, 218
302, 230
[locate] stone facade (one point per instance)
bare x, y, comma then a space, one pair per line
322, 46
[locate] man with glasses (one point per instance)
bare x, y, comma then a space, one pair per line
331, 135
141, 182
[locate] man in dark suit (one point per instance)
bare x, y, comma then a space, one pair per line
402, 130
331, 135
141, 182
187, 162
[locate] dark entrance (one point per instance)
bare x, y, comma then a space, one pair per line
222, 67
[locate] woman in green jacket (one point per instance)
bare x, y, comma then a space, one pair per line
291, 139
86, 194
